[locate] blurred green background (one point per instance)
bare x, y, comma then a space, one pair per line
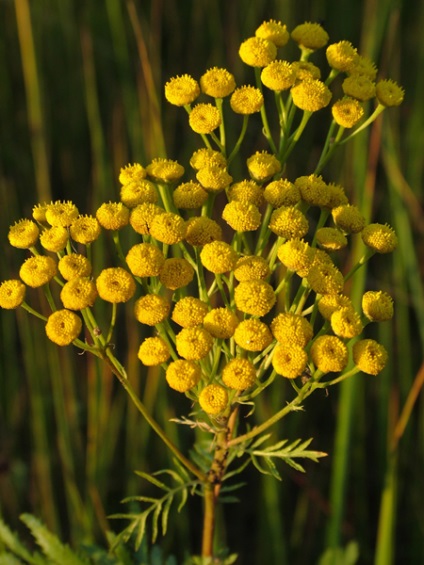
81, 95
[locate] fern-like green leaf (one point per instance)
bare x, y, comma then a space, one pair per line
53, 548
12, 542
9, 559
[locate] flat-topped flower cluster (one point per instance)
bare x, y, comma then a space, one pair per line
235, 280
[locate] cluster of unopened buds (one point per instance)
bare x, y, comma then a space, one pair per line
242, 280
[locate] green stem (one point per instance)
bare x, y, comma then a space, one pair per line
239, 140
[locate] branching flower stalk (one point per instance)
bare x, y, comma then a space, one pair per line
239, 291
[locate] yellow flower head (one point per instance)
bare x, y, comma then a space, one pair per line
132, 173
331, 239
346, 322
278, 76
12, 294
73, 266
221, 323
113, 215
63, 326
54, 239
217, 83
202, 230
246, 191
189, 312
213, 399
218, 257
325, 278
207, 158
39, 212
142, 216
182, 90
364, 66
242, 216
296, 255
313, 190
288, 222
23, 234
246, 100
214, 178
380, 237
251, 267
189, 195
348, 218
78, 293
337, 196
254, 297
252, 335
239, 374
329, 354
389, 93
329, 303
359, 87
136, 192
377, 305
347, 112
369, 356
311, 95
151, 309
153, 351
165, 170
291, 329
263, 165
176, 273
306, 70
289, 361
85, 229
204, 118
145, 260
61, 213
273, 31
310, 36
341, 56
193, 343
182, 375
168, 228
38, 270
281, 192
115, 285
257, 52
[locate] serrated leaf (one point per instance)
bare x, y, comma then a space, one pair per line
9, 559
165, 513
183, 500
152, 479
155, 517
12, 542
259, 441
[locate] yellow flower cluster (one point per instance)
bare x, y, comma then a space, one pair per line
248, 280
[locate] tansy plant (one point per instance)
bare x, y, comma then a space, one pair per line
240, 280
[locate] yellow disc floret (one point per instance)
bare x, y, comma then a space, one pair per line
263, 165
221, 323
288, 222
63, 326
380, 238
213, 399
242, 216
369, 356
329, 354
348, 218
204, 118
78, 293
74, 265
115, 285
165, 170
289, 360
113, 215
377, 305
142, 216
359, 87
145, 260
217, 82
296, 255
346, 322
176, 273
239, 374
61, 213
193, 343
54, 239
291, 329
214, 178
182, 375
132, 173
202, 230
246, 191
182, 90
257, 52
23, 234
389, 93
153, 351
246, 100
168, 228
273, 31
189, 312
278, 76
341, 56
252, 335
136, 192
151, 309
311, 95
85, 229
310, 36
12, 294
281, 192
251, 267
37, 271
331, 239
347, 112
218, 257
189, 195
254, 297
313, 190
